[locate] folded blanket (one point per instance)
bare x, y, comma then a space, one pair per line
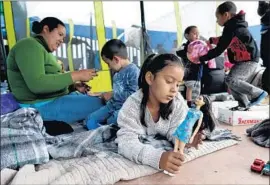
22, 139
221, 134
259, 133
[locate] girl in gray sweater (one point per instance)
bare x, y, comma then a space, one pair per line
156, 108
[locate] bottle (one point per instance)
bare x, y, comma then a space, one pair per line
4, 87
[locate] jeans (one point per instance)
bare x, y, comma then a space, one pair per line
69, 108
237, 82
104, 114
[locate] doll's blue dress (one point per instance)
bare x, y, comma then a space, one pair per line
184, 130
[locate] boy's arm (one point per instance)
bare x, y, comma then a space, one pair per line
130, 85
128, 141
223, 43
263, 6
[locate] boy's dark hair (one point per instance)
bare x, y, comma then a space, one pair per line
188, 30
227, 6
51, 22
114, 47
155, 63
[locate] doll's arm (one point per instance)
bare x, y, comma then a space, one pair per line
197, 129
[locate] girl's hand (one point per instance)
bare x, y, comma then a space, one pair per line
171, 161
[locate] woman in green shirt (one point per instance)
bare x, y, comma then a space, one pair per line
36, 79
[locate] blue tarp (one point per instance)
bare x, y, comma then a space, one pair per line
156, 37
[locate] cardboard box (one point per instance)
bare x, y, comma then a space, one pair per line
255, 115
225, 104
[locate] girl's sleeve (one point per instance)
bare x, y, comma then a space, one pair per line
178, 116
128, 141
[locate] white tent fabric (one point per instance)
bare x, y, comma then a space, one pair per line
159, 16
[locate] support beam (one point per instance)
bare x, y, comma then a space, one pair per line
101, 83
178, 23
8, 15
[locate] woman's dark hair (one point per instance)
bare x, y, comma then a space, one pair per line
155, 63
209, 120
51, 22
227, 6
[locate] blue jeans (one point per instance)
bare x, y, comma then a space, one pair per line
69, 108
104, 114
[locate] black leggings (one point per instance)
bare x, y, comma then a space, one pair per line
265, 55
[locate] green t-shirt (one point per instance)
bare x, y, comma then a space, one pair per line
34, 74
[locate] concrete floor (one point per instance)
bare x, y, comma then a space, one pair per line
228, 166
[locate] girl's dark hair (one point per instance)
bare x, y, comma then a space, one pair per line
209, 120
155, 63
51, 22
227, 6
188, 30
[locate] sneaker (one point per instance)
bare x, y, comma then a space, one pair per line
238, 108
259, 99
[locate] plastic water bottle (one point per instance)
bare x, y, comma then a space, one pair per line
4, 87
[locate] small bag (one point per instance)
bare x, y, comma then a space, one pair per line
8, 103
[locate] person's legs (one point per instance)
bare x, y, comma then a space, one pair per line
237, 82
265, 55
188, 85
94, 119
193, 90
189, 94
266, 80
242, 99
196, 90
69, 108
113, 118
265, 46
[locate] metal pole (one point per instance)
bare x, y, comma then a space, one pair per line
143, 45
3, 56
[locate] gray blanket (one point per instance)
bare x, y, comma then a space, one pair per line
88, 157
22, 139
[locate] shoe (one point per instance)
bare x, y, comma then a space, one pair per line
92, 124
259, 99
238, 108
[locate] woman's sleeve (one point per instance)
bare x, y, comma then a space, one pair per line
30, 61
